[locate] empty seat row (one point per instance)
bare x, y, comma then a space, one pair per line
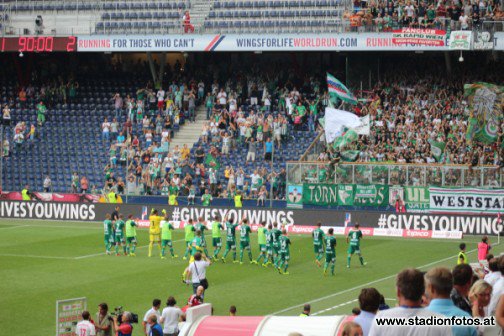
275, 4
275, 14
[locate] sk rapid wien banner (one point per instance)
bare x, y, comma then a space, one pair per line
346, 194
475, 201
428, 37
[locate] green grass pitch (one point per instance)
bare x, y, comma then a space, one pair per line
43, 261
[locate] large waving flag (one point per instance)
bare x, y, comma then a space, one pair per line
338, 90
485, 106
336, 121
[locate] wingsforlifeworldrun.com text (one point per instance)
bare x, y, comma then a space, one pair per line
432, 321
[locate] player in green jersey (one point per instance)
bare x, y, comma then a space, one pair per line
166, 237
354, 237
330, 251
119, 235
245, 240
108, 229
216, 237
196, 245
131, 236
230, 241
269, 247
276, 242
318, 243
189, 236
261, 240
202, 227
284, 256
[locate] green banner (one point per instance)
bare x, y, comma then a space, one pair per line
371, 195
346, 194
417, 199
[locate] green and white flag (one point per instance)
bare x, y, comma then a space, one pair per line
437, 149
340, 91
349, 155
346, 139
485, 106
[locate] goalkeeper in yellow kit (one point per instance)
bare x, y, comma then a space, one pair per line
155, 230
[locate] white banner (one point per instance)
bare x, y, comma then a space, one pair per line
253, 42
460, 40
499, 41
480, 201
363, 128
336, 120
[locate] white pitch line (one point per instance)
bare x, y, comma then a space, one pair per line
34, 256
334, 307
364, 285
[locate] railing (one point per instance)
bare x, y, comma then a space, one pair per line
395, 174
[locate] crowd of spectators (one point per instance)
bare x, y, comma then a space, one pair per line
378, 15
256, 113
408, 111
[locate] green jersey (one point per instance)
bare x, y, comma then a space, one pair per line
245, 233
269, 237
166, 230
276, 236
355, 237
189, 232
231, 232
284, 244
318, 236
107, 227
261, 235
216, 229
130, 228
119, 227
330, 244
206, 198
201, 227
195, 245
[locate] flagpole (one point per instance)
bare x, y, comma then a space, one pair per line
272, 173
346, 71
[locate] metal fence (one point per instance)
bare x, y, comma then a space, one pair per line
395, 174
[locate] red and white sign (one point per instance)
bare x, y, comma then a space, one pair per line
427, 37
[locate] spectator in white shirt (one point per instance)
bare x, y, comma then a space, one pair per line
105, 130
160, 100
494, 274
156, 304
222, 98
170, 317
498, 288
85, 327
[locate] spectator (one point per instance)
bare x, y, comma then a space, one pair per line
197, 271
155, 327
498, 288
439, 284
351, 329
84, 185
252, 148
232, 311
124, 328
196, 299
47, 184
103, 320
105, 130
494, 273
118, 104
479, 295
462, 281
306, 310
170, 317
6, 115
410, 289
75, 183
369, 302
85, 327
188, 27
153, 311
